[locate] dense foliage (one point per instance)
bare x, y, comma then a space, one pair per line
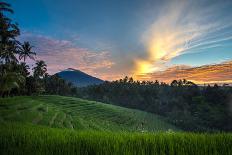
191, 107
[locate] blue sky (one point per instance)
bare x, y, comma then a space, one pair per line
126, 37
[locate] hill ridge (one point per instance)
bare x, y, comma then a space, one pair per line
79, 114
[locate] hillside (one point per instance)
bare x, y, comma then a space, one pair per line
79, 78
78, 114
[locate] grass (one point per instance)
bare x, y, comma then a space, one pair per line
78, 114
16, 138
65, 125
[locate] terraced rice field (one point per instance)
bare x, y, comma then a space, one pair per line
66, 125
78, 114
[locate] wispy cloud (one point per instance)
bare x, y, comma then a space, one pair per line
63, 54
216, 73
181, 27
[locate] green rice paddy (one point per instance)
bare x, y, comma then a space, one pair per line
65, 125
78, 114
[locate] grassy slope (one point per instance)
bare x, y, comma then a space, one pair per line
75, 113
19, 136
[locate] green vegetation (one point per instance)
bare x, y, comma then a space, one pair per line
68, 125
75, 113
31, 139
15, 77
184, 104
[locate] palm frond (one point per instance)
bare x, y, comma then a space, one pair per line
5, 4
6, 9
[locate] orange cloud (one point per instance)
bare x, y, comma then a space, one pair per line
180, 28
216, 73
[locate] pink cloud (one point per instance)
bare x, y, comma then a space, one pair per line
63, 54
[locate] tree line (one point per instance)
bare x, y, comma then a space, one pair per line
183, 103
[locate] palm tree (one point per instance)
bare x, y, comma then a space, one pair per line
25, 51
8, 32
9, 81
39, 73
24, 69
40, 69
8, 52
5, 7
7, 28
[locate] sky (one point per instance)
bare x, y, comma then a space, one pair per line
146, 39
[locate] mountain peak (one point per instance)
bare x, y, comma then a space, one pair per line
71, 69
79, 78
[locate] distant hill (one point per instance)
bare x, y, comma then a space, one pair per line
79, 78
78, 114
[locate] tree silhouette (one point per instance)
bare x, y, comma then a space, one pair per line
8, 32
5, 7
40, 69
9, 81
25, 51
